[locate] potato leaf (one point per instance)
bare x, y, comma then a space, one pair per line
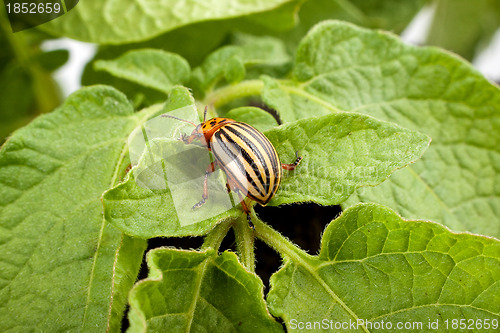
341, 152
375, 268
109, 22
189, 291
151, 68
61, 261
342, 67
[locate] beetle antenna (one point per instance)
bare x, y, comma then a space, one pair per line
205, 113
174, 117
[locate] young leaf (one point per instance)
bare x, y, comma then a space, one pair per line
128, 259
256, 117
342, 67
475, 23
63, 267
52, 60
374, 266
341, 152
151, 211
146, 213
190, 291
227, 62
203, 38
151, 68
107, 23
391, 15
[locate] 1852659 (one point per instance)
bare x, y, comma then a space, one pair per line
471, 324
33, 8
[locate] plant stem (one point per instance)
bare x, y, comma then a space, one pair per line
354, 11
44, 88
245, 243
226, 94
277, 241
214, 238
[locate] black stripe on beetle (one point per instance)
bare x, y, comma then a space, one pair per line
249, 160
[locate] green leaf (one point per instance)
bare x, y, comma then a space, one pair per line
52, 60
64, 267
234, 70
191, 291
180, 97
203, 38
227, 62
341, 152
105, 22
258, 118
144, 205
475, 22
26, 86
128, 259
342, 67
146, 213
292, 102
281, 18
16, 99
375, 266
151, 68
392, 15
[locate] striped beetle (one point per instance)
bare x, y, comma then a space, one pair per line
252, 167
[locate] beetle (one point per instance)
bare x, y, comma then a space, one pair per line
249, 160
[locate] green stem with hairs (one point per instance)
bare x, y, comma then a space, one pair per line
44, 88
277, 241
245, 243
229, 93
214, 238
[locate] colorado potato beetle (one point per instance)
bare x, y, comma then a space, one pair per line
249, 160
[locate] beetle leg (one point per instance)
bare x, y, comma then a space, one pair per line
210, 169
245, 208
293, 165
183, 138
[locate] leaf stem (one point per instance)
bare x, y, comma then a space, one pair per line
45, 90
214, 238
226, 94
245, 240
354, 11
277, 241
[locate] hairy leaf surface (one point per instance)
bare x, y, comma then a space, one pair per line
341, 152
151, 68
110, 22
189, 291
230, 62
342, 67
374, 266
63, 267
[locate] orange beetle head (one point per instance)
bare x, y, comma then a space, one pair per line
205, 130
